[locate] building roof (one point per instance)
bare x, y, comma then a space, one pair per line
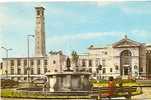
126, 42
92, 47
24, 58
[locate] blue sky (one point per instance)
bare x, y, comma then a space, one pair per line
74, 25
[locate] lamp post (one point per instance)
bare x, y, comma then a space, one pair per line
6, 49
28, 36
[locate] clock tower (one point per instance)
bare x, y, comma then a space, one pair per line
40, 33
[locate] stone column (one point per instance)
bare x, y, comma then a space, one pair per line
42, 66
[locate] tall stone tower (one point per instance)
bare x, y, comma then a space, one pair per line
40, 33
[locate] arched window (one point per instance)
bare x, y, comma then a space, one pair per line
126, 57
125, 62
54, 62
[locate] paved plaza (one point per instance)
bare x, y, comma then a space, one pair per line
145, 96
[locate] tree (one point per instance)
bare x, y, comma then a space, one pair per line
75, 58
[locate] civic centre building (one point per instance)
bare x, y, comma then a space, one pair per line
125, 58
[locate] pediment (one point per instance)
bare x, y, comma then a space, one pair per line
126, 43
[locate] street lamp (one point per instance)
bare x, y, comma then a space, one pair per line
28, 36
6, 49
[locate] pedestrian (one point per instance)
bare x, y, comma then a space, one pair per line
111, 86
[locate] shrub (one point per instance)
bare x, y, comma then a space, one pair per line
93, 81
128, 81
103, 81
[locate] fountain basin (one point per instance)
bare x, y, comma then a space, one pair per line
68, 81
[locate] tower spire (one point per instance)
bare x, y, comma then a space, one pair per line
40, 32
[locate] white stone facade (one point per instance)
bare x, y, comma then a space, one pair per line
38, 66
112, 61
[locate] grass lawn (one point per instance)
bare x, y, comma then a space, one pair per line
19, 94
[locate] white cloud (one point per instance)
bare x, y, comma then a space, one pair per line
79, 36
13, 24
142, 32
136, 8
67, 43
101, 3
5, 18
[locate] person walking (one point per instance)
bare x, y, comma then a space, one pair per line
111, 86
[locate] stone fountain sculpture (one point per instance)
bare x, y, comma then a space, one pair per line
68, 81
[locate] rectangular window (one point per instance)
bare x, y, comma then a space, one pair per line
31, 62
38, 62
45, 62
90, 63
25, 78
45, 69
83, 63
141, 69
38, 70
90, 70
97, 63
104, 70
32, 70
18, 62
110, 69
25, 62
25, 71
105, 52
18, 71
94, 74
116, 67
12, 62
103, 62
12, 71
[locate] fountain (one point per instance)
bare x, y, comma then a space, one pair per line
68, 80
